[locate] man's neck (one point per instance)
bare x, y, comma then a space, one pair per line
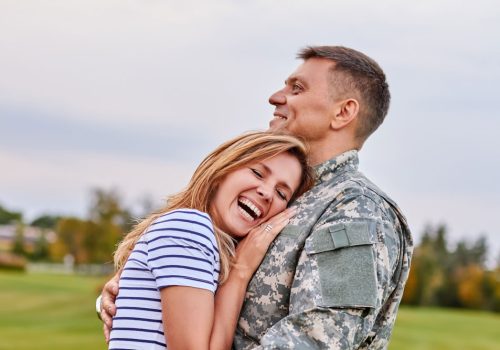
322, 151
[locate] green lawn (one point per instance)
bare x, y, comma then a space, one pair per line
49, 312
443, 329
55, 312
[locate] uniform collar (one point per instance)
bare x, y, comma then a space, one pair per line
332, 167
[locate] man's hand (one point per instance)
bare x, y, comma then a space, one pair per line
108, 307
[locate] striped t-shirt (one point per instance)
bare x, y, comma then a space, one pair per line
178, 249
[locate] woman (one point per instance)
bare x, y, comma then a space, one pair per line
174, 260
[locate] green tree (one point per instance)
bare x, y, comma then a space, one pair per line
9, 217
107, 207
41, 249
70, 234
18, 245
46, 221
109, 220
431, 280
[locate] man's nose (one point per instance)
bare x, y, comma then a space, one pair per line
278, 98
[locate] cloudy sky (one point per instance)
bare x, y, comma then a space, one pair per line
132, 94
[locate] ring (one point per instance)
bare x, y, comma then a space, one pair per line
268, 228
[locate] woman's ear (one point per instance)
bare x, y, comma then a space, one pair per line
345, 112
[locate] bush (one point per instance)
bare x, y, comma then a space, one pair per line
9, 261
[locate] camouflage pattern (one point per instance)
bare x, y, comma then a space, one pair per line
334, 277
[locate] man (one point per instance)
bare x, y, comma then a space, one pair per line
334, 277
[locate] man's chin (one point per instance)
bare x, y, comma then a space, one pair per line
278, 126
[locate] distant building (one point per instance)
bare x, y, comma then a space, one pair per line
30, 236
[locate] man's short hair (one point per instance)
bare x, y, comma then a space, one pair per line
356, 74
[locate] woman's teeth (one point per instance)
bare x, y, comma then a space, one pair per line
249, 208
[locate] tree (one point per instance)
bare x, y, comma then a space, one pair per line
471, 286
9, 217
18, 246
41, 248
70, 234
431, 275
457, 277
46, 221
107, 207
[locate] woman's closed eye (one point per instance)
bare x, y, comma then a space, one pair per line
257, 173
282, 195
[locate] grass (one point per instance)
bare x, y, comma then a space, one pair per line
443, 329
55, 312
43, 311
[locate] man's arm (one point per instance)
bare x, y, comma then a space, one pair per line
347, 285
318, 328
108, 307
321, 320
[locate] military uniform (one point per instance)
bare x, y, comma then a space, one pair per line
334, 277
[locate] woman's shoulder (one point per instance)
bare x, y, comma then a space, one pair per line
184, 222
186, 215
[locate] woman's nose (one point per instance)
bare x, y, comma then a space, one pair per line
265, 191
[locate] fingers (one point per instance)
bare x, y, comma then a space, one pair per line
252, 249
107, 315
280, 220
108, 307
287, 213
106, 331
276, 228
270, 229
111, 286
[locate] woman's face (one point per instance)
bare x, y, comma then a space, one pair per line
251, 195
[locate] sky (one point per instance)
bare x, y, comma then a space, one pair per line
131, 95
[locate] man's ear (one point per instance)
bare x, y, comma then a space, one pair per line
346, 111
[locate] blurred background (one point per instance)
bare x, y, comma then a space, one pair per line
107, 106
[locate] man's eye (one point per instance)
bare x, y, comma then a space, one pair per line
256, 173
296, 88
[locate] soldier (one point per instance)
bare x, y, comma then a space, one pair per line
334, 277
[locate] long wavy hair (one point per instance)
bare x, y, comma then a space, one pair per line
234, 154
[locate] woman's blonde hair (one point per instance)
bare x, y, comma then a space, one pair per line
231, 155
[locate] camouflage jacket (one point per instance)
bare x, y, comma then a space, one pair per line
334, 277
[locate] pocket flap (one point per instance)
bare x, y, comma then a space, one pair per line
341, 235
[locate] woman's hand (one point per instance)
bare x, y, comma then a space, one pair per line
230, 295
108, 307
251, 250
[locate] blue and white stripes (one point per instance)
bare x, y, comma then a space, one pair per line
178, 249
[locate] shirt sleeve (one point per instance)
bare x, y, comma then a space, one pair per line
317, 328
182, 250
343, 294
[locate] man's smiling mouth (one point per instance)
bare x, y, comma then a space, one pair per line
279, 116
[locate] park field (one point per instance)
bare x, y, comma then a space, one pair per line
55, 312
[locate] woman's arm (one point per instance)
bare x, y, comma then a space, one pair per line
230, 295
194, 319
188, 315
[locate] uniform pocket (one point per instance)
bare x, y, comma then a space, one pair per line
345, 258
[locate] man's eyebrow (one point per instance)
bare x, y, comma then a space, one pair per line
269, 171
293, 79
